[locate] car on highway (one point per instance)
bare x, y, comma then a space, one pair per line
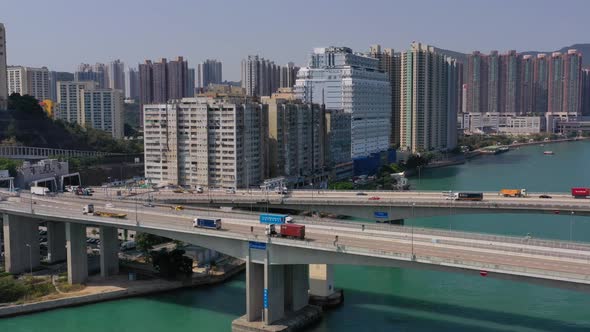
545, 196
109, 205
374, 198
177, 208
361, 194
148, 204
230, 191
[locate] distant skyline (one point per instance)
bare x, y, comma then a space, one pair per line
60, 34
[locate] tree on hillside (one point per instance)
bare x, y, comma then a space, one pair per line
10, 165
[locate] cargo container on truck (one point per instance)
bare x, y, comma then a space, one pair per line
513, 192
286, 230
580, 192
274, 218
468, 196
88, 209
41, 191
207, 223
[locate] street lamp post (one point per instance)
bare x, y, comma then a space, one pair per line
571, 225
30, 259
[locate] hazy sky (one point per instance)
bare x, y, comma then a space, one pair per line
60, 34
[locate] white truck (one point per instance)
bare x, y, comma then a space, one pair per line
41, 191
88, 209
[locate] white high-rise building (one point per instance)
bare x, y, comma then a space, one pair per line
29, 81
342, 80
69, 99
203, 141
429, 100
260, 77
103, 109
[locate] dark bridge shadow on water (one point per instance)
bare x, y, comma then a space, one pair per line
367, 311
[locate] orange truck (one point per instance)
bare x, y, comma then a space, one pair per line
513, 192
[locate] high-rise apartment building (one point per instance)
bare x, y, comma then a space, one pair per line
390, 63
476, 96
190, 82
103, 109
509, 97
586, 92
540, 83
295, 138
564, 84
132, 84
116, 75
29, 81
209, 72
3, 78
260, 77
341, 80
494, 81
177, 79
69, 99
162, 81
425, 94
97, 73
527, 86
87, 105
288, 75
202, 141
54, 77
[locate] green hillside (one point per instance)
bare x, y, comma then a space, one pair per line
26, 123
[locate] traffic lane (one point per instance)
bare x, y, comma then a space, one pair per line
429, 237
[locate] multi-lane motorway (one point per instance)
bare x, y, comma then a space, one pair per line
507, 255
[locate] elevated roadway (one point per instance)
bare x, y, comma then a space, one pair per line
385, 205
562, 264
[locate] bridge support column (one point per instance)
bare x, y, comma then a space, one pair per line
109, 251
296, 287
76, 250
21, 243
56, 242
254, 291
321, 286
274, 285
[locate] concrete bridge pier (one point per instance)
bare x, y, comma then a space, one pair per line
76, 252
56, 242
321, 286
109, 251
277, 296
21, 243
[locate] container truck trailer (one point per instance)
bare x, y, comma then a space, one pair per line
580, 192
207, 223
293, 231
468, 196
513, 192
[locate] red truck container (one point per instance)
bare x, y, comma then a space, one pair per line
293, 230
580, 192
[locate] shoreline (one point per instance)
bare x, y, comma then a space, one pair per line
113, 292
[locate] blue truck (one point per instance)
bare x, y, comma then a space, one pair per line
207, 223
275, 219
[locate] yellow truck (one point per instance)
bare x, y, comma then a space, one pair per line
513, 192
109, 214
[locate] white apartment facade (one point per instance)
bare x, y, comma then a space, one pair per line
29, 81
203, 141
69, 99
342, 80
103, 109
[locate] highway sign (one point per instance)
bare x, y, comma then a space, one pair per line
258, 245
381, 215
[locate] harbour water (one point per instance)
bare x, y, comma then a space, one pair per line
387, 299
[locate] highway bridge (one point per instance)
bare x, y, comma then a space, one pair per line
381, 205
282, 273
